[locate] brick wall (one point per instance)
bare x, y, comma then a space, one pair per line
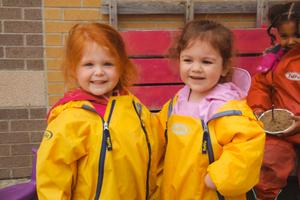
22, 85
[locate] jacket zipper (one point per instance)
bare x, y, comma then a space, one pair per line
149, 161
207, 146
149, 151
106, 145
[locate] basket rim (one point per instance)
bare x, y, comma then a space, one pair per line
276, 132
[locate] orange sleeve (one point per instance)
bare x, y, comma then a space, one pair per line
259, 96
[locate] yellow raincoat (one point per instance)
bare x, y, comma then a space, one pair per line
83, 156
232, 141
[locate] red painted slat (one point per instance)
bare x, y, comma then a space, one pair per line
161, 70
251, 40
248, 63
148, 42
157, 70
157, 42
155, 96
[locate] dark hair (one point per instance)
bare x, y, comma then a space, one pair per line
281, 13
103, 35
220, 37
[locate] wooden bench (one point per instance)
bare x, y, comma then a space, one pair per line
158, 75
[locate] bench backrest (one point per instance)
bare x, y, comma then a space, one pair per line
158, 75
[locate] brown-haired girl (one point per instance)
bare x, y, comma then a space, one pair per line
214, 142
99, 143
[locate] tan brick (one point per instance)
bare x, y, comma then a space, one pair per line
55, 76
22, 149
1, 52
14, 137
33, 14
35, 64
11, 64
233, 25
54, 52
56, 88
146, 18
14, 114
150, 25
15, 161
34, 40
54, 64
53, 99
27, 125
11, 40
62, 3
54, 40
4, 150
24, 52
3, 126
58, 27
53, 13
38, 113
36, 136
10, 13
4, 173
76, 14
21, 172
23, 27
22, 3
91, 3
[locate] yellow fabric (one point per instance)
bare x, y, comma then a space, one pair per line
237, 142
68, 157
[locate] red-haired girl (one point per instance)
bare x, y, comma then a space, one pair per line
99, 142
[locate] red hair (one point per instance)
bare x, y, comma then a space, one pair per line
105, 36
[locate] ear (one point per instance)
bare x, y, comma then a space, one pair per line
226, 68
225, 71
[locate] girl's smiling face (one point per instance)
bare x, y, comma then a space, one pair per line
97, 72
201, 67
288, 34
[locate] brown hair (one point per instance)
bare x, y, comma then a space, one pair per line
103, 35
281, 13
220, 37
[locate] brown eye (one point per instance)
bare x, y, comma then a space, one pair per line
108, 64
207, 62
88, 64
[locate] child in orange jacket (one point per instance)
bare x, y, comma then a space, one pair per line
278, 85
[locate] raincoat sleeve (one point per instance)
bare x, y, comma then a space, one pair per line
237, 169
259, 96
61, 147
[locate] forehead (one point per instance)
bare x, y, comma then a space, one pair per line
288, 28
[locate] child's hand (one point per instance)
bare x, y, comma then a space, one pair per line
295, 128
208, 182
257, 112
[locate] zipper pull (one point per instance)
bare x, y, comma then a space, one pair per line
105, 125
107, 137
205, 139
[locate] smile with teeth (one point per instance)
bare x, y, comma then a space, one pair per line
197, 77
98, 82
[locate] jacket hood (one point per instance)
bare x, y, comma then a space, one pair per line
220, 94
74, 99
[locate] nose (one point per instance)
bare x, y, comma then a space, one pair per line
291, 41
99, 71
196, 67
